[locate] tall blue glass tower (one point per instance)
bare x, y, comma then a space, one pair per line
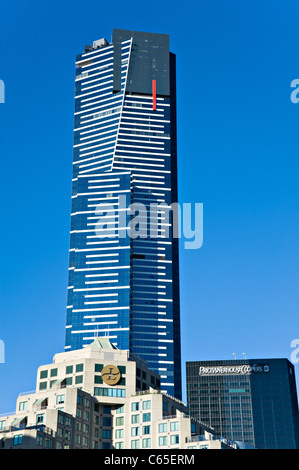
125, 285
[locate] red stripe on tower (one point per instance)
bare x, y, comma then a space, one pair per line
154, 95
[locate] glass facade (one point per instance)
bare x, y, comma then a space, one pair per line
249, 401
122, 284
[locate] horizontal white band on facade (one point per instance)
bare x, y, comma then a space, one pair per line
100, 282
97, 91
100, 268
147, 122
103, 192
100, 127
97, 140
107, 315
115, 102
82, 289
82, 250
108, 118
100, 331
148, 131
99, 309
99, 52
88, 75
141, 169
111, 294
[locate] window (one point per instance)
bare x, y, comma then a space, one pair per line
69, 381
135, 444
39, 440
48, 443
60, 399
59, 432
134, 419
78, 439
95, 445
67, 435
86, 428
106, 421
86, 402
60, 419
163, 441
107, 410
119, 445
174, 426
69, 370
79, 379
85, 441
43, 385
163, 427
146, 442
174, 439
119, 433
2, 424
58, 445
106, 434
53, 372
18, 439
67, 421
146, 430
40, 418
121, 409
43, 374
146, 417
105, 445
110, 392
98, 367
23, 406
146, 405
79, 367
135, 431
80, 400
119, 421
79, 413
78, 426
135, 406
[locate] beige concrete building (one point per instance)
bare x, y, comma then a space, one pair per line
100, 397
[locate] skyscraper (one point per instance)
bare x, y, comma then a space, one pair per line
125, 284
254, 401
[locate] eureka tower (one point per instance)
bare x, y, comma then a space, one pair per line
124, 286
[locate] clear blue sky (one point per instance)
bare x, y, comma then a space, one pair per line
238, 155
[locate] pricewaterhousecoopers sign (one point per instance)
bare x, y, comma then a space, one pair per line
243, 369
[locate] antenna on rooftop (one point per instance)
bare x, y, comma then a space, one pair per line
244, 354
234, 354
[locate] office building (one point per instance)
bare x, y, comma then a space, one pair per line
100, 397
124, 276
254, 401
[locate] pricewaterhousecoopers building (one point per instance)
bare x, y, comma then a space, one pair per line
121, 286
